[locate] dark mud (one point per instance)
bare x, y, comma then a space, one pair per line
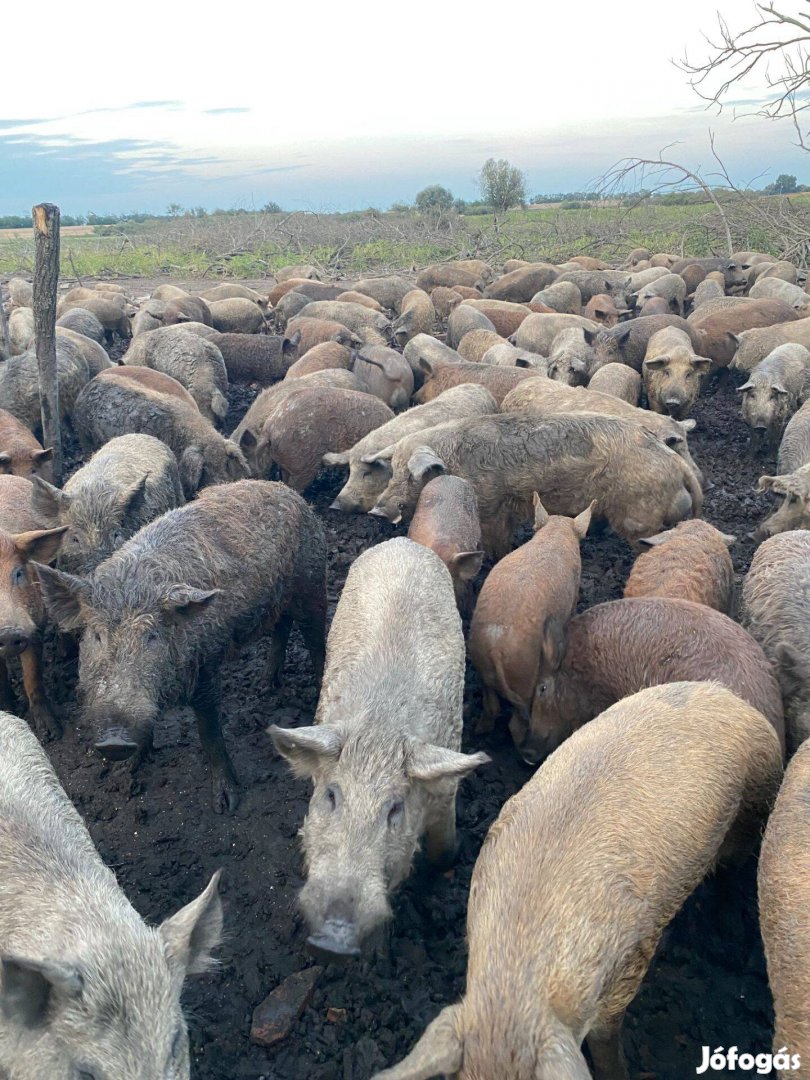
707, 986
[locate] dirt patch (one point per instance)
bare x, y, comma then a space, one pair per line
707, 986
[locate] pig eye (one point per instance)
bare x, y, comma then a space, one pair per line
331, 797
541, 688
18, 575
395, 813
86, 1074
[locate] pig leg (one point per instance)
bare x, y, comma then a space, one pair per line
44, 720
605, 1047
313, 631
278, 648
490, 712
440, 835
205, 703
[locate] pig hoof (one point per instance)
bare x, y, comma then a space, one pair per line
226, 795
46, 723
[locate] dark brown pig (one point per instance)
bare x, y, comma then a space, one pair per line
520, 285
689, 562
152, 380
446, 521
672, 372
303, 333
620, 647
386, 374
255, 358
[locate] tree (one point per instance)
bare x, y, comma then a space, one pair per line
399, 208
502, 185
434, 200
775, 47
782, 185
174, 209
271, 208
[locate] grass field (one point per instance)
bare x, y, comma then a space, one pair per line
254, 245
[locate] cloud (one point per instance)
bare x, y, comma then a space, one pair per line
227, 109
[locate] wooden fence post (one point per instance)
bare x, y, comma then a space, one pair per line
5, 342
46, 279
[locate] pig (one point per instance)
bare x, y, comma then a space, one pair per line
423, 345
566, 910
368, 325
21, 293
754, 345
384, 753
784, 915
462, 320
474, 346
187, 309
315, 290
773, 391
444, 300
237, 315
615, 283
226, 290
290, 305
107, 407
571, 356
158, 615
505, 355
446, 274
194, 362
794, 513
671, 287
520, 285
89, 990
656, 305
563, 296
328, 356
386, 374
20, 453
299, 270
663, 258
689, 562
255, 358
518, 627
368, 478
95, 355
782, 269
620, 647
504, 316
21, 330
732, 271
775, 612
627, 342
84, 322
719, 303
167, 293
352, 297
303, 334
569, 460
446, 521
643, 277
538, 331
126, 484
619, 380
478, 266
389, 292
150, 380
721, 329
74, 296
794, 449
672, 372
417, 316
304, 426
19, 383
637, 255
707, 290
777, 289
25, 537
602, 309
112, 316
498, 380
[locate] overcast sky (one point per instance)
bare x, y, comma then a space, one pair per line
342, 106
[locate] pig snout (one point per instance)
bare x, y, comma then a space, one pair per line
116, 744
120, 737
337, 938
390, 513
674, 406
341, 917
13, 641
345, 503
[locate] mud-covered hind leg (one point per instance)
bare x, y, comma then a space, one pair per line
204, 701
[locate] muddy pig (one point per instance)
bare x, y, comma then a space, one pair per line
776, 612
619, 380
83, 322
446, 521
148, 379
627, 342
571, 356
603, 309
417, 316
722, 329
672, 372
20, 453
689, 562
126, 484
19, 383
784, 915
257, 358
559, 940
303, 334
440, 376
384, 753
112, 316
157, 617
237, 315
328, 356
794, 513
617, 648
518, 627
773, 392
196, 363
386, 374
474, 346
108, 407
89, 990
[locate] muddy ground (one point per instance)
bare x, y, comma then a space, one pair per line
707, 986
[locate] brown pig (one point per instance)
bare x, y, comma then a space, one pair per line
619, 380
620, 647
303, 333
324, 357
417, 316
689, 562
474, 346
446, 521
722, 328
672, 372
444, 300
602, 309
506, 317
440, 376
518, 627
20, 453
583, 870
794, 513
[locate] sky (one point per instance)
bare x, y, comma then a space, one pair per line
324, 106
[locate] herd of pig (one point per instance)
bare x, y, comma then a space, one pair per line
469, 405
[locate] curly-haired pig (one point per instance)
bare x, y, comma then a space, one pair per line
112, 316
446, 274
754, 345
184, 309
306, 425
627, 342
368, 477
440, 375
21, 330
619, 380
20, 453
462, 320
639, 484
615, 283
561, 296
446, 521
520, 285
389, 292
84, 322
386, 374
417, 316
196, 363
126, 484
794, 513
475, 344
372, 327
384, 752
783, 885
157, 617
255, 358
776, 611
617, 648
538, 331
226, 290
444, 300
604, 310
722, 328
327, 356
95, 354
304, 333
236, 315
773, 392
109, 406
88, 988
672, 372
570, 358
19, 383
689, 562
518, 627
149, 379
581, 873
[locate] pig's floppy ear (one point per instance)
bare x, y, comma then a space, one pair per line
64, 596
190, 936
29, 988
184, 602
39, 546
307, 748
467, 564
46, 499
439, 1052
424, 461
656, 362
428, 762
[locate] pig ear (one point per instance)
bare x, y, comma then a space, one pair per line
734, 337
289, 345
130, 497
591, 335
777, 388
219, 404
767, 483
582, 521
431, 763
624, 336
183, 601
687, 425
29, 988
194, 932
467, 564
41, 456
427, 365
745, 387
307, 749
701, 364
654, 541
656, 362
540, 512
423, 461
382, 457
47, 500
333, 460
728, 539
247, 439
192, 464
439, 1052
40, 546
64, 596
